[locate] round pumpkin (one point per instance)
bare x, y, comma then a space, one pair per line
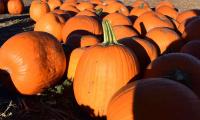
168, 11
87, 13
84, 6
81, 25
166, 39
116, 7
51, 23
69, 8
118, 19
187, 14
181, 67
137, 11
15, 6
34, 60
164, 3
149, 20
154, 99
122, 31
66, 15
53, 4
100, 73
139, 3
192, 48
89, 40
38, 9
191, 31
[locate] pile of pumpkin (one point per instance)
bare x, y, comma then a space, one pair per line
141, 63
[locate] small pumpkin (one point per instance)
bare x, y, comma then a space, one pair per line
34, 60
122, 31
192, 48
104, 72
164, 3
66, 15
118, 19
51, 23
181, 67
182, 16
116, 7
154, 99
168, 11
89, 40
69, 8
137, 11
38, 9
87, 13
165, 38
53, 4
15, 6
84, 6
139, 3
149, 20
80, 25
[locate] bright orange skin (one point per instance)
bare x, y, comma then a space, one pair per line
34, 60
137, 11
164, 3
38, 9
116, 7
87, 13
100, 73
181, 67
192, 48
68, 7
163, 37
118, 19
187, 14
89, 40
15, 6
54, 4
168, 11
66, 15
192, 29
138, 3
84, 6
149, 20
153, 99
73, 61
84, 23
51, 23
122, 31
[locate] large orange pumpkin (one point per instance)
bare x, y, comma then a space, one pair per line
118, 19
34, 60
122, 31
192, 48
101, 71
51, 23
38, 9
53, 4
181, 67
80, 25
192, 29
154, 99
149, 20
15, 6
165, 38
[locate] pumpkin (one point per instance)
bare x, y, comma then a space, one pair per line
66, 15
191, 31
145, 50
73, 61
38, 9
53, 4
104, 72
164, 3
168, 11
165, 38
89, 40
182, 25
138, 3
154, 99
192, 48
87, 13
187, 14
149, 20
2, 7
137, 11
15, 6
116, 7
118, 19
51, 23
84, 6
34, 60
80, 25
122, 31
69, 8
181, 67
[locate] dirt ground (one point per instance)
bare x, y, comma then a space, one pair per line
16, 107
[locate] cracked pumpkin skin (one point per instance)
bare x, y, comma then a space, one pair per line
34, 60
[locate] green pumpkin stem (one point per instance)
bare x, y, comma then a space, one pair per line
99, 11
109, 35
